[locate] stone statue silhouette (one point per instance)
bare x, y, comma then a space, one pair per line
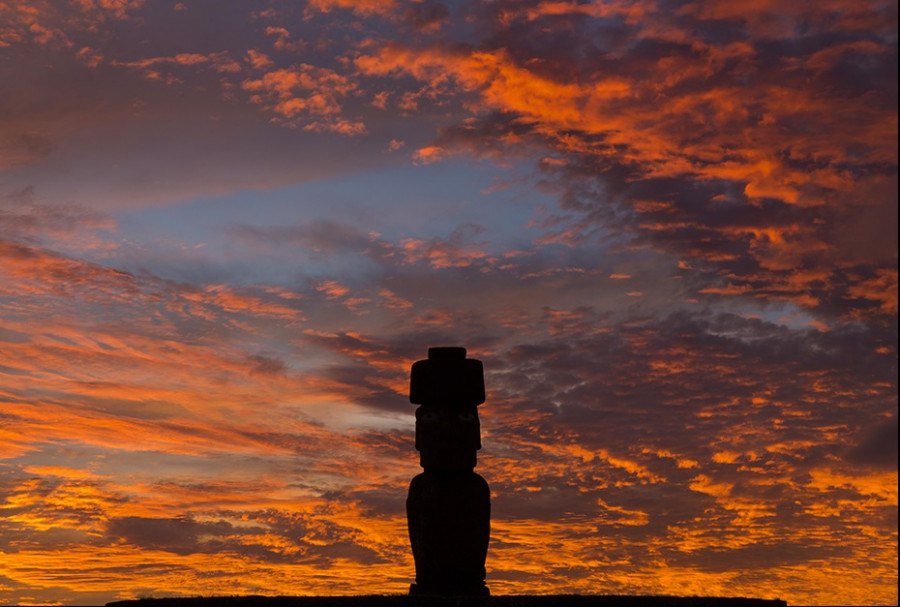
449, 506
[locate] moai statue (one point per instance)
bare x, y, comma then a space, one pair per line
449, 505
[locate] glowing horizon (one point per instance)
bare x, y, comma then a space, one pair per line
668, 231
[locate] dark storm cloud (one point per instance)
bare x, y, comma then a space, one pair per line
267, 365
877, 446
695, 387
426, 16
304, 536
181, 535
696, 360
756, 556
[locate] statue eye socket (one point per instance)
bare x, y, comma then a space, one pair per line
430, 417
465, 416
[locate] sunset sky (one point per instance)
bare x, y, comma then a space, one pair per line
668, 229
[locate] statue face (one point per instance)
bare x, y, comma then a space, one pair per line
448, 437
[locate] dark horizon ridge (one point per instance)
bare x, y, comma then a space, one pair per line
564, 600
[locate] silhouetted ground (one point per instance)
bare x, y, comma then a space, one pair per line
565, 600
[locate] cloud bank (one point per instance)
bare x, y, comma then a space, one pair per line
667, 229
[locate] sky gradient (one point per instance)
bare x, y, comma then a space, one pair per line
668, 230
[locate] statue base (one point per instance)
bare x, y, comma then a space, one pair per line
482, 590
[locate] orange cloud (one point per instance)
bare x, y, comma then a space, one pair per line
258, 60
429, 154
442, 254
332, 289
116, 8
362, 7
305, 94
672, 130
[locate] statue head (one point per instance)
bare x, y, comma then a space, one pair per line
449, 387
